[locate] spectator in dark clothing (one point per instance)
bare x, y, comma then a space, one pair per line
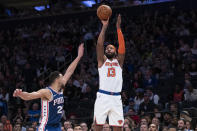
167, 118
147, 105
18, 115
34, 114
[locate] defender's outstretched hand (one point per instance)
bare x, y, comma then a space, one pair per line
17, 92
118, 23
81, 50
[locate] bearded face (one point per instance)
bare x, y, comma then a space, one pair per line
110, 51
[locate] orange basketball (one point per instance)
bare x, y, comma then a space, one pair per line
104, 12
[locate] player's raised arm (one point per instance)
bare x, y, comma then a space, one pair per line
73, 65
121, 42
43, 93
100, 42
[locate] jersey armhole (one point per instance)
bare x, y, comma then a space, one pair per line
103, 62
51, 96
119, 64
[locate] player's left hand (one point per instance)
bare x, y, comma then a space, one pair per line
118, 21
17, 92
81, 50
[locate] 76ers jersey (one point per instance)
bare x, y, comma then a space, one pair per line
110, 76
51, 110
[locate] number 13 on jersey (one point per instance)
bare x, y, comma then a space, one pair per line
111, 72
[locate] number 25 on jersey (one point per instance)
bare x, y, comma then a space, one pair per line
111, 72
59, 111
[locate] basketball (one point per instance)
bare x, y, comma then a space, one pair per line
104, 12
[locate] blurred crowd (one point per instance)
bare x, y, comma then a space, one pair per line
64, 7
159, 78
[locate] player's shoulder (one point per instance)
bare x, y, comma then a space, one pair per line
46, 93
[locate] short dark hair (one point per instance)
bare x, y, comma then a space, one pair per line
54, 75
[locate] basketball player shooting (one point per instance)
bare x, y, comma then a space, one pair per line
110, 64
52, 97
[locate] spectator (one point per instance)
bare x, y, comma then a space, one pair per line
84, 126
188, 126
144, 127
157, 114
4, 95
148, 117
92, 127
72, 118
193, 70
190, 93
69, 129
130, 122
181, 125
126, 127
173, 123
185, 115
165, 128
153, 127
139, 98
106, 127
133, 115
34, 125
153, 97
77, 128
19, 121
149, 81
147, 105
156, 121
6, 123
143, 121
67, 124
167, 117
131, 105
19, 115
174, 109
34, 114
17, 127
187, 77
178, 95
137, 82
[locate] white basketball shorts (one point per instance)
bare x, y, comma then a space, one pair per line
111, 106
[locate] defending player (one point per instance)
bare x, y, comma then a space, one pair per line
52, 97
108, 101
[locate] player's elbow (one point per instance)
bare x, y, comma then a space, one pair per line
32, 97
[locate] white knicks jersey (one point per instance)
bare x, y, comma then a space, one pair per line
110, 76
